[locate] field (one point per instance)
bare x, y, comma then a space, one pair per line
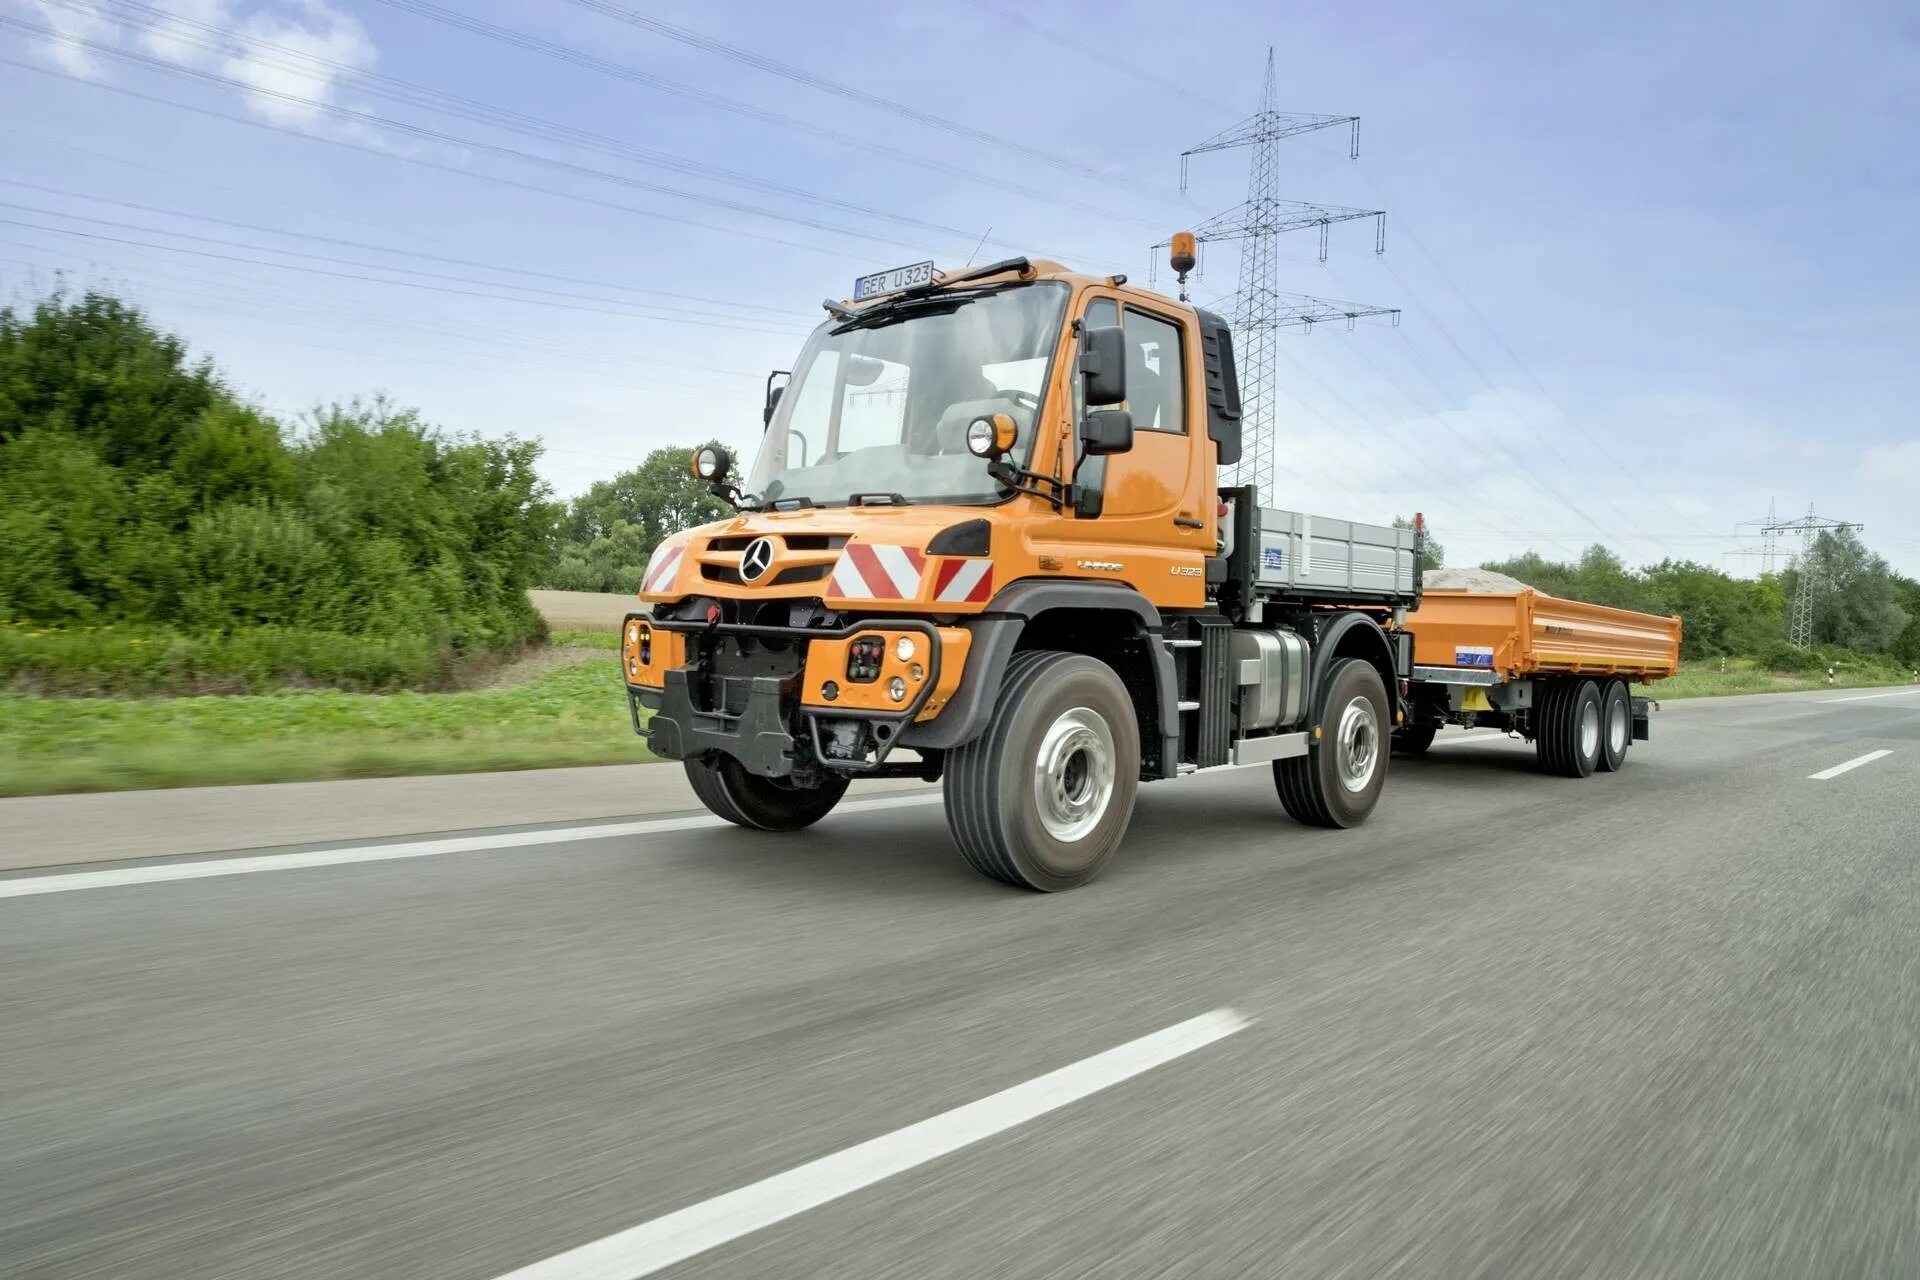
561, 705
1712, 678
564, 705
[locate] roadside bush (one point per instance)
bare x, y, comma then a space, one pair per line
367, 548
151, 660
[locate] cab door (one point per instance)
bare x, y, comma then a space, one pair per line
1148, 487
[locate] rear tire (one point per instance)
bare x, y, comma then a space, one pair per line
1568, 734
760, 804
1338, 782
1414, 739
1042, 798
1616, 726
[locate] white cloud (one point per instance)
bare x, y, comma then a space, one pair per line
298, 48
1893, 467
313, 48
79, 25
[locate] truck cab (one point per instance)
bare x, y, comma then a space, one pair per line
984, 541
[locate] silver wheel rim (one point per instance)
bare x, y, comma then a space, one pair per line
1589, 731
1617, 728
1357, 744
1073, 774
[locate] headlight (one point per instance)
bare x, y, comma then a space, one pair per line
897, 689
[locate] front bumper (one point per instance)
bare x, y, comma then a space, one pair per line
739, 692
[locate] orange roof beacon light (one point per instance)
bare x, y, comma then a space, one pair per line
1182, 258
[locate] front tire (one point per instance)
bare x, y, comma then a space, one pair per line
757, 803
1042, 798
1414, 739
1340, 780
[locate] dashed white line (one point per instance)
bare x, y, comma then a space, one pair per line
1844, 767
652, 1246
28, 886
1869, 697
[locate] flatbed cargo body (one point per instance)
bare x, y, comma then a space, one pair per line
1557, 672
1526, 633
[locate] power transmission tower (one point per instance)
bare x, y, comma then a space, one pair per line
1769, 548
1259, 309
1809, 527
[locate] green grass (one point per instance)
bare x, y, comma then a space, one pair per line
571, 715
1706, 679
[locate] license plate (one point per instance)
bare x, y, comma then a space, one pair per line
892, 281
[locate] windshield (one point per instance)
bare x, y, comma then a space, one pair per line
880, 404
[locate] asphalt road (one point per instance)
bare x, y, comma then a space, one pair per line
1663, 1023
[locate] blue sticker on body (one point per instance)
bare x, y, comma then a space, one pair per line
1472, 655
1273, 558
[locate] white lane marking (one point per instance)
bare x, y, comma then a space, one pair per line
1854, 763
652, 1246
31, 885
1869, 697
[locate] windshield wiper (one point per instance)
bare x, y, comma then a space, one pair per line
877, 500
917, 304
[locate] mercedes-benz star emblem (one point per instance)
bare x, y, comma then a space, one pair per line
756, 559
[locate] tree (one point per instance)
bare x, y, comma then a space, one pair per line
1853, 595
1436, 555
1906, 645
614, 526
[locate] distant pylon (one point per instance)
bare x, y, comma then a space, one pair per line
1800, 617
1260, 310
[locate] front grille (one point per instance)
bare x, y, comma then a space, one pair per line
794, 541
799, 573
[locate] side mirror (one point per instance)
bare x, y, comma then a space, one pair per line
773, 395
1103, 364
1106, 431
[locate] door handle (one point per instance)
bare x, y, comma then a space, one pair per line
1186, 521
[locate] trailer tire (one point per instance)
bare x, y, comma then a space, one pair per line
759, 804
1338, 782
1414, 739
1616, 726
1568, 736
1042, 797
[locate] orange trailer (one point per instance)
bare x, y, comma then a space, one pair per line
1555, 671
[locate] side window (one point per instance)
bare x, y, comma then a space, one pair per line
1156, 390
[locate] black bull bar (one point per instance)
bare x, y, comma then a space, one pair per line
762, 735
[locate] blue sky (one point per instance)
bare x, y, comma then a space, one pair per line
1658, 263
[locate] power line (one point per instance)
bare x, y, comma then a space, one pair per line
785, 314
348, 275
787, 71
806, 128
517, 342
456, 140
1600, 448
1074, 44
219, 39
421, 161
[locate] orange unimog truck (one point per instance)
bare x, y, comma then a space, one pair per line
1559, 672
985, 526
